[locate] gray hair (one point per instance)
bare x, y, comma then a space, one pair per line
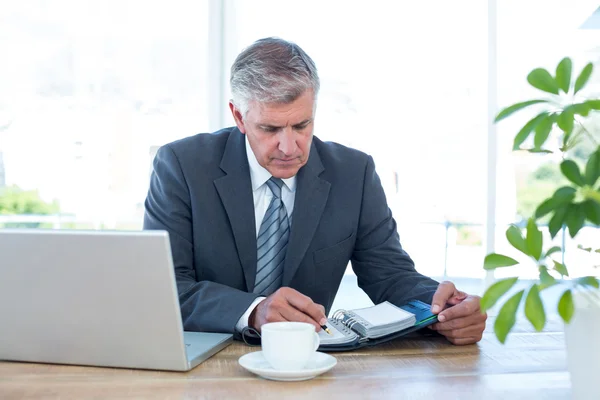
272, 70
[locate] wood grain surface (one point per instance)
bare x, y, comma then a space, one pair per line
529, 366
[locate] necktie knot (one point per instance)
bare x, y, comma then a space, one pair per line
275, 185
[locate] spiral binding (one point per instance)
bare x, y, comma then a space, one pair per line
339, 315
350, 322
349, 319
341, 327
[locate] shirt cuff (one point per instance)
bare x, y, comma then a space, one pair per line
243, 321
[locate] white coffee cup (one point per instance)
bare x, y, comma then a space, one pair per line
289, 345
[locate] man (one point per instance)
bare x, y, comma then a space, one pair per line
263, 217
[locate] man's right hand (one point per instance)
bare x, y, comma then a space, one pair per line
287, 304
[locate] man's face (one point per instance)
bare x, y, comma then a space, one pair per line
279, 134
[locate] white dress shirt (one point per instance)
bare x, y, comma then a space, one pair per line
262, 196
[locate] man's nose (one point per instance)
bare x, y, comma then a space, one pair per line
287, 141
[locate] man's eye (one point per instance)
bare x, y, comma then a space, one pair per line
303, 126
269, 129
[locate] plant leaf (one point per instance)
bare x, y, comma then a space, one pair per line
494, 292
566, 120
591, 209
515, 238
593, 104
545, 207
542, 131
565, 194
560, 268
571, 171
516, 107
537, 151
565, 306
563, 74
527, 129
592, 168
582, 109
546, 279
557, 220
583, 77
575, 218
580, 247
588, 281
553, 250
541, 79
507, 316
534, 239
494, 260
534, 309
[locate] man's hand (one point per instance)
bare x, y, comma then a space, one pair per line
462, 321
287, 304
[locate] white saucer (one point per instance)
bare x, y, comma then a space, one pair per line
255, 362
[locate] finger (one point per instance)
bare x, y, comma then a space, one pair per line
470, 305
265, 314
304, 304
322, 309
460, 296
469, 331
465, 341
454, 301
294, 315
444, 292
459, 323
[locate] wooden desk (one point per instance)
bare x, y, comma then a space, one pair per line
530, 366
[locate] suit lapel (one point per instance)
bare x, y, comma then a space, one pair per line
311, 197
235, 190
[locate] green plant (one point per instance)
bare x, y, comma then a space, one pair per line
15, 201
559, 128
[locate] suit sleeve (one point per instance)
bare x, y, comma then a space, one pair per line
384, 270
205, 306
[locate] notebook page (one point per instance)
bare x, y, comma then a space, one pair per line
335, 337
382, 314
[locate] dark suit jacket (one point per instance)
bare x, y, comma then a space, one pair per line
200, 192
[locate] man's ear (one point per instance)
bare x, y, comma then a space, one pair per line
237, 116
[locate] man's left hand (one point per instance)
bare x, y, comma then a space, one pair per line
459, 315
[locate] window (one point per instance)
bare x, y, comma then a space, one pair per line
407, 83
537, 34
88, 89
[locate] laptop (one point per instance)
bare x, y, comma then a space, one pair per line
101, 298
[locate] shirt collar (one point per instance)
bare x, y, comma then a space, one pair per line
259, 175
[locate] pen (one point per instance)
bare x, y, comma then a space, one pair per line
326, 329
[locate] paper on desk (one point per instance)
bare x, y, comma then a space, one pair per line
335, 337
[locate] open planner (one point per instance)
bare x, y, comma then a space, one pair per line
369, 326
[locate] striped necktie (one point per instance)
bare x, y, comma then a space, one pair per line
272, 243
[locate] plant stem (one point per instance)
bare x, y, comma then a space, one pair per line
592, 138
590, 193
573, 140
